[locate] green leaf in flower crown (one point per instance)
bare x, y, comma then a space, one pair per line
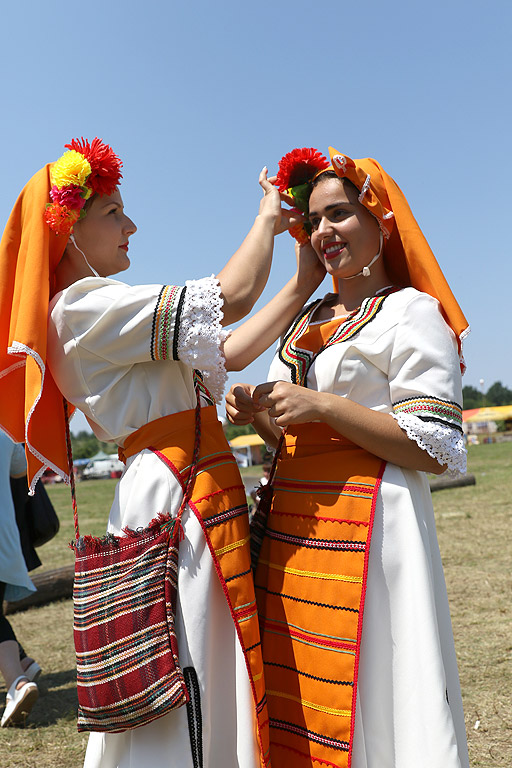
300, 194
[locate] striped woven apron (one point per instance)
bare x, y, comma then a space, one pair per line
310, 587
218, 500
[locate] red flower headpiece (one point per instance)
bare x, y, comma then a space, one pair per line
296, 170
105, 164
299, 166
84, 170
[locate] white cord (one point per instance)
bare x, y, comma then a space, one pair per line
365, 272
72, 238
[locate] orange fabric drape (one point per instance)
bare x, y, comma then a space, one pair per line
31, 408
407, 255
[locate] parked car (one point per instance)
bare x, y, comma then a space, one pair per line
101, 468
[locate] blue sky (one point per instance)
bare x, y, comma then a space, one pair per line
197, 97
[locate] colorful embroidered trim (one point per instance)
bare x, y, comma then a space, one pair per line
295, 359
299, 361
431, 409
166, 323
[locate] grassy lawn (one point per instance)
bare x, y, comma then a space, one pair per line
473, 526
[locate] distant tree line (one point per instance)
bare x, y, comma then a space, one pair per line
497, 394
85, 445
233, 430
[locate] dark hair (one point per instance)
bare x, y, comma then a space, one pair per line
329, 175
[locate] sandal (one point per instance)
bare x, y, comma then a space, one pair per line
19, 702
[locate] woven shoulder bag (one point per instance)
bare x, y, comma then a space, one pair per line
124, 597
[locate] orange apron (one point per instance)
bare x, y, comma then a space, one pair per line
310, 586
218, 500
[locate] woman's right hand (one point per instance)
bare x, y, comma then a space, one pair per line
240, 407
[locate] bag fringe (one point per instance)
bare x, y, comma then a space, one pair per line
91, 545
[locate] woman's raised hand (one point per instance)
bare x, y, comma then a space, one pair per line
270, 205
310, 270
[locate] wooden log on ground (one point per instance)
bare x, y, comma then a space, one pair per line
440, 482
51, 585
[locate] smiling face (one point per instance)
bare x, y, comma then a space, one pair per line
345, 235
103, 234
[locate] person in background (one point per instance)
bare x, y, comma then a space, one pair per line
18, 670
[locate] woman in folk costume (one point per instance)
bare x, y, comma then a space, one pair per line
128, 357
367, 385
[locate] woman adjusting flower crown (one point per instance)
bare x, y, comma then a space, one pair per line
144, 364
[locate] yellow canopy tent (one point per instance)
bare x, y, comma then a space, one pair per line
243, 440
247, 449
492, 413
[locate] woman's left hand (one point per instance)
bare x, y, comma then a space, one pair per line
270, 205
288, 403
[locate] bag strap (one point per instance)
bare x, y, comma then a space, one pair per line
193, 468
71, 472
277, 455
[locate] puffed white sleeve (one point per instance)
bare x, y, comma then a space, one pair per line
131, 324
426, 384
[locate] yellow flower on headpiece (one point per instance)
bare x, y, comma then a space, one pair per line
72, 169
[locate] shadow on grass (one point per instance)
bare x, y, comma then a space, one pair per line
57, 699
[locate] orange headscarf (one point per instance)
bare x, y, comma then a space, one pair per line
33, 243
406, 253
31, 406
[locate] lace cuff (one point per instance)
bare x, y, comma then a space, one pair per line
443, 443
201, 335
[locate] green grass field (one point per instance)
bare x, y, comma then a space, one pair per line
473, 527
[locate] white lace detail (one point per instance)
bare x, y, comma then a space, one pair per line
200, 336
443, 443
364, 188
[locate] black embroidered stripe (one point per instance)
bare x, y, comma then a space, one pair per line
153, 326
226, 514
329, 544
195, 721
308, 602
261, 704
238, 575
251, 647
438, 421
177, 324
306, 674
328, 741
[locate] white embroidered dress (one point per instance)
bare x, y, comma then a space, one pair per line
124, 356
409, 709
